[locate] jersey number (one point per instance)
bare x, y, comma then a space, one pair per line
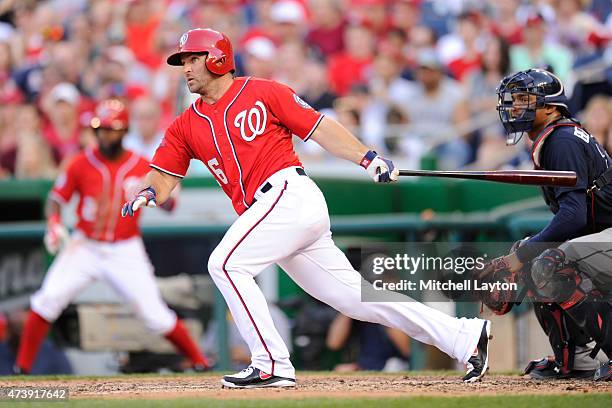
213, 165
582, 134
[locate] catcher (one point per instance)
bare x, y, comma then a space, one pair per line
566, 268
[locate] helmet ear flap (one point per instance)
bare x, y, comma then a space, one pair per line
219, 61
216, 61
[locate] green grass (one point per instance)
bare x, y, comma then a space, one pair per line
540, 401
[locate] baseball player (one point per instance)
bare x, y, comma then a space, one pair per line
241, 129
571, 282
104, 245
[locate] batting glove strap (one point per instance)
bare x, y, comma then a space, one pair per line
367, 159
146, 197
380, 169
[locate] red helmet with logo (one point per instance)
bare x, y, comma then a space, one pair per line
110, 114
220, 59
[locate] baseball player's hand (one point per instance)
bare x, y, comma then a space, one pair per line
56, 234
495, 265
514, 265
170, 204
509, 262
380, 169
145, 198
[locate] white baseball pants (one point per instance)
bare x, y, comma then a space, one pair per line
289, 225
123, 264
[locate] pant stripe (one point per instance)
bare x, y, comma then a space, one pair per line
234, 286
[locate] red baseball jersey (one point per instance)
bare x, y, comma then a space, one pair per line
243, 138
103, 186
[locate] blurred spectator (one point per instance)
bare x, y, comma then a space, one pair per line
577, 29
440, 109
317, 94
380, 348
9, 92
504, 22
50, 360
349, 108
482, 97
103, 22
406, 14
259, 56
80, 34
396, 43
120, 75
326, 34
167, 83
291, 71
398, 138
388, 91
421, 37
261, 23
61, 129
34, 158
210, 13
145, 133
142, 21
350, 67
470, 44
8, 139
536, 51
601, 9
371, 13
597, 119
482, 83
289, 19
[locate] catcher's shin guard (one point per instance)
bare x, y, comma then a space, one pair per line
563, 334
594, 316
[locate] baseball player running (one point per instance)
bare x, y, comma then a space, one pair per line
241, 129
104, 245
571, 282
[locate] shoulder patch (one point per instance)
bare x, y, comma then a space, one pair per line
582, 134
301, 102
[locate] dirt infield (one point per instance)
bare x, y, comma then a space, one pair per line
328, 385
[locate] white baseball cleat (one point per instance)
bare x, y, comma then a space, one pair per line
252, 377
478, 364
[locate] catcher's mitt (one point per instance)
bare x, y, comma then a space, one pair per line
499, 301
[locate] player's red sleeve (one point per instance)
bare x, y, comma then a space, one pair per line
299, 117
173, 154
66, 183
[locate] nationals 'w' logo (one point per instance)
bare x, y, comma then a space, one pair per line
255, 119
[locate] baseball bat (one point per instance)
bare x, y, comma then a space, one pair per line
525, 177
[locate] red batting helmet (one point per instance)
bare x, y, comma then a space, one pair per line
220, 59
110, 114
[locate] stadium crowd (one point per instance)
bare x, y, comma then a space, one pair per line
411, 77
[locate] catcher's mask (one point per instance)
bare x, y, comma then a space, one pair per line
521, 94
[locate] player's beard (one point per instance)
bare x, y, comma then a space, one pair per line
195, 87
112, 150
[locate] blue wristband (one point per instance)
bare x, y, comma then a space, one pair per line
367, 159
